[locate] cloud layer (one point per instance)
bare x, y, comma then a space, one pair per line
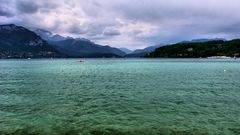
124, 23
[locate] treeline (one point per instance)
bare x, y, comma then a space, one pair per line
196, 50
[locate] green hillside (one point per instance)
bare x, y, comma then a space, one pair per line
196, 50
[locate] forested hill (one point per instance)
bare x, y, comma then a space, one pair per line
195, 50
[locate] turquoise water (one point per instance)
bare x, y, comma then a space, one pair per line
120, 97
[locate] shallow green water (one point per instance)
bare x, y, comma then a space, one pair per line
118, 97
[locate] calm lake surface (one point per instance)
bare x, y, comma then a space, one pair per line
120, 97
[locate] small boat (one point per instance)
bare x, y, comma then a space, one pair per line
80, 61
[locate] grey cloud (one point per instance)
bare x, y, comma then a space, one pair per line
95, 28
229, 28
111, 32
127, 22
27, 6
6, 9
160, 10
88, 29
49, 5
76, 29
5, 13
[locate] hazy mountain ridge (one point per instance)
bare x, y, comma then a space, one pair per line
126, 50
142, 52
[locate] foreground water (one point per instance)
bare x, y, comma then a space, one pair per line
118, 97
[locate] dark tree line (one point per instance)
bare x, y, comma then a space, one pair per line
196, 50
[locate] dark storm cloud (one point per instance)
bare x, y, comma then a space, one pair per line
27, 6
5, 9
5, 13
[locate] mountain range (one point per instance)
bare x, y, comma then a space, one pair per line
20, 42
78, 47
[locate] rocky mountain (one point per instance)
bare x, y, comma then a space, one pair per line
142, 52
19, 42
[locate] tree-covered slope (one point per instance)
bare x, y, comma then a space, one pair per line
196, 50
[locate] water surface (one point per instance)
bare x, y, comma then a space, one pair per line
120, 96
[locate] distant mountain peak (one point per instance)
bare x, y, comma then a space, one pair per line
83, 39
47, 35
9, 25
10, 28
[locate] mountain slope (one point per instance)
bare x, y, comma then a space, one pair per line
78, 47
48, 36
19, 42
85, 48
196, 50
127, 51
142, 52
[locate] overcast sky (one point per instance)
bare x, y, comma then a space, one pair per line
128, 23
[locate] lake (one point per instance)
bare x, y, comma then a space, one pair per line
120, 97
